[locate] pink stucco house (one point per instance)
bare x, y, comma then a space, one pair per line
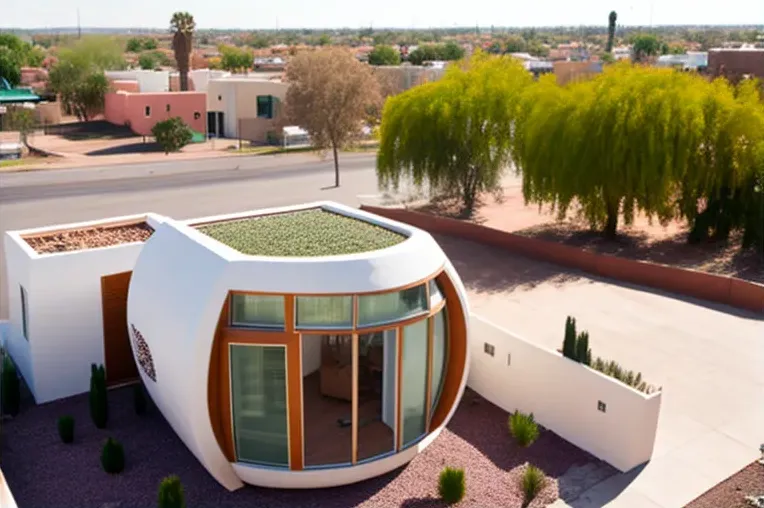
141, 111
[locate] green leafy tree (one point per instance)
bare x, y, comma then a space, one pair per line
384, 55
235, 59
182, 25
324, 40
147, 61
149, 43
495, 48
35, 56
569, 342
455, 134
515, 44
450, 51
172, 134
611, 21
134, 45
330, 94
82, 87
100, 53
10, 66
21, 119
645, 46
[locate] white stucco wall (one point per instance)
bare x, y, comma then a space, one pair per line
178, 288
563, 396
148, 81
311, 354
64, 308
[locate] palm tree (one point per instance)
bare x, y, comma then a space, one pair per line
611, 31
183, 24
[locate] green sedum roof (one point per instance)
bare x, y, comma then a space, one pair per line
303, 233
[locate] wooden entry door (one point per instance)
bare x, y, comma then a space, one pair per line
118, 354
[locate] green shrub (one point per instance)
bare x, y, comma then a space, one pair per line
569, 343
523, 428
10, 390
139, 399
627, 377
172, 134
98, 399
171, 493
583, 353
113, 456
451, 485
66, 428
532, 482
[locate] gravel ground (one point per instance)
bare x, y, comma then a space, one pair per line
43, 472
81, 239
731, 492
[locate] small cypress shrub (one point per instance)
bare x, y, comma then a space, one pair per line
139, 399
523, 428
171, 493
98, 399
451, 485
532, 482
113, 456
66, 429
569, 342
10, 393
583, 353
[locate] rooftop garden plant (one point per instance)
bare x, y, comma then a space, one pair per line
304, 233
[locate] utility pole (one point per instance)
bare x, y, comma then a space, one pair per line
79, 27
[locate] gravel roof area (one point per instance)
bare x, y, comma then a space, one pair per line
91, 238
43, 472
303, 233
731, 492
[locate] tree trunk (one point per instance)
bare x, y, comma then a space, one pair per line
336, 165
611, 224
183, 78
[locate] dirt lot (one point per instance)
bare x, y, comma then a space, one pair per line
643, 240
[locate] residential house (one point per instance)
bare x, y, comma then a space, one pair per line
147, 81
734, 64
141, 111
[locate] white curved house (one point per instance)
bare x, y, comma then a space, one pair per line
331, 363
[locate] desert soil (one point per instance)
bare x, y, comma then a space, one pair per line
91, 238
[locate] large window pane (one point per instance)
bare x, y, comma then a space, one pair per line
435, 295
258, 392
324, 312
388, 307
439, 344
414, 381
376, 393
259, 311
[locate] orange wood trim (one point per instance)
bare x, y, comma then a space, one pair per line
355, 311
428, 398
105, 225
294, 403
214, 389
354, 431
255, 336
399, 395
119, 361
224, 396
456, 347
289, 312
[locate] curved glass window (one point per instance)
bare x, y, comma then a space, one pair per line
436, 296
257, 311
389, 307
414, 382
258, 393
315, 312
439, 342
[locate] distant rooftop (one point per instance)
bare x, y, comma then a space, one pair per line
303, 233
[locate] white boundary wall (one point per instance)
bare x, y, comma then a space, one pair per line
564, 396
64, 308
6, 497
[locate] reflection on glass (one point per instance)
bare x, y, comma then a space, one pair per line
438, 355
414, 381
259, 311
327, 362
389, 307
258, 390
435, 294
376, 393
324, 312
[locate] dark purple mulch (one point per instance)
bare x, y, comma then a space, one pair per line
43, 472
731, 492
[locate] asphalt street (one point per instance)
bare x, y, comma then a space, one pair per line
180, 189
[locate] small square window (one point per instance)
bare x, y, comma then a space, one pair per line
601, 406
488, 349
147, 111
167, 108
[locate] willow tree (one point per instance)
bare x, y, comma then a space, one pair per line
455, 134
616, 145
182, 25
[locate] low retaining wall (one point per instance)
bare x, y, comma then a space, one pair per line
608, 419
705, 286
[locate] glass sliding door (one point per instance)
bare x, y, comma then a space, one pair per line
376, 394
259, 404
414, 382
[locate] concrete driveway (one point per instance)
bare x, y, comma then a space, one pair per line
707, 358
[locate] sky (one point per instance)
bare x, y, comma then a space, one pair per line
249, 14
